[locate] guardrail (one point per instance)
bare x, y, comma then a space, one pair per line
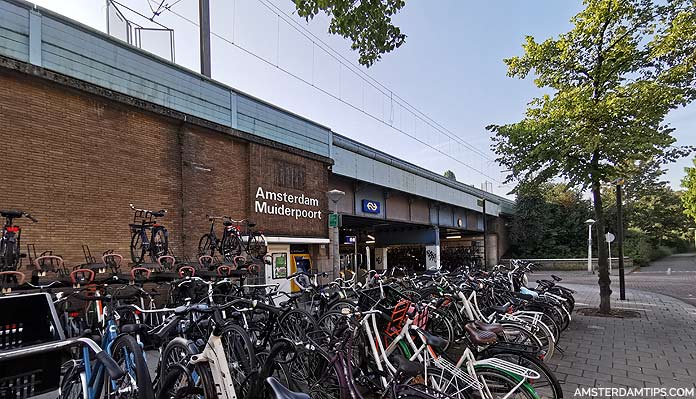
571, 263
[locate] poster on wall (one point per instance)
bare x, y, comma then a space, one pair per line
280, 265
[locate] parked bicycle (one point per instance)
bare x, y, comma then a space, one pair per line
10, 254
157, 244
237, 236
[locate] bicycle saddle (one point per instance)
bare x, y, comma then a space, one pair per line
406, 368
433, 340
136, 328
227, 223
280, 392
501, 309
495, 328
553, 276
158, 214
11, 213
479, 337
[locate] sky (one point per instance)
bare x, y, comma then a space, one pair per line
428, 102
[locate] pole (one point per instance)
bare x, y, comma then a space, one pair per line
619, 225
204, 21
609, 244
334, 246
589, 249
355, 252
485, 235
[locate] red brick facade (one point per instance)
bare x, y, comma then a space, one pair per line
76, 160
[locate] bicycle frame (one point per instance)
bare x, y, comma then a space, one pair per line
425, 354
214, 355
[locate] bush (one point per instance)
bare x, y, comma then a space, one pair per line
637, 245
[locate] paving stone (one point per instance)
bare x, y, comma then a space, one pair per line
658, 349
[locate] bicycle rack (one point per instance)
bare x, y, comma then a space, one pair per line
166, 262
112, 260
9, 280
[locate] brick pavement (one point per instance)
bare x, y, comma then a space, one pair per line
656, 350
674, 276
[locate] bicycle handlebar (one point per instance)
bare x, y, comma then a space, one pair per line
146, 210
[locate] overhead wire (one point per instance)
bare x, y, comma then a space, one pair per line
338, 98
366, 77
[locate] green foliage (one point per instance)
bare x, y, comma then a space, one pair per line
612, 81
367, 23
689, 196
450, 175
638, 246
549, 222
614, 78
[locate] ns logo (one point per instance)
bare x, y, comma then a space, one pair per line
369, 206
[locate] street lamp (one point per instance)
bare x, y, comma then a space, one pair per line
335, 196
694, 230
589, 223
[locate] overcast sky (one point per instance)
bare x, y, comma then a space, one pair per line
450, 69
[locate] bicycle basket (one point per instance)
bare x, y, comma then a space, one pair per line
398, 318
28, 320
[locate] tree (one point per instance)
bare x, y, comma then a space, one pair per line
549, 222
689, 196
450, 175
367, 23
611, 81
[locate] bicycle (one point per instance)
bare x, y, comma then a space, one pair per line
34, 347
251, 242
158, 243
10, 254
227, 245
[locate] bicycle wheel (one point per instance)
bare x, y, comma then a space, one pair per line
547, 385
72, 383
314, 373
519, 334
137, 249
230, 247
418, 391
160, 243
240, 357
177, 351
129, 355
205, 246
340, 304
296, 324
439, 325
457, 385
180, 383
501, 383
256, 247
9, 255
543, 334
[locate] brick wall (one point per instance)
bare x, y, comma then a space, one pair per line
264, 163
76, 160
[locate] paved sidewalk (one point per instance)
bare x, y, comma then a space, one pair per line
656, 350
673, 276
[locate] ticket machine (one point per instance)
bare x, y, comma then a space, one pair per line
285, 261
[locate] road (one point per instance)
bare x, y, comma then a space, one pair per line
673, 276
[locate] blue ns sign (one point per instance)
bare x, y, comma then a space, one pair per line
369, 206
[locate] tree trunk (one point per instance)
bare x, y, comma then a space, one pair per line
602, 252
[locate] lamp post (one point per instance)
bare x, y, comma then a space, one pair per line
619, 239
694, 230
589, 223
335, 196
